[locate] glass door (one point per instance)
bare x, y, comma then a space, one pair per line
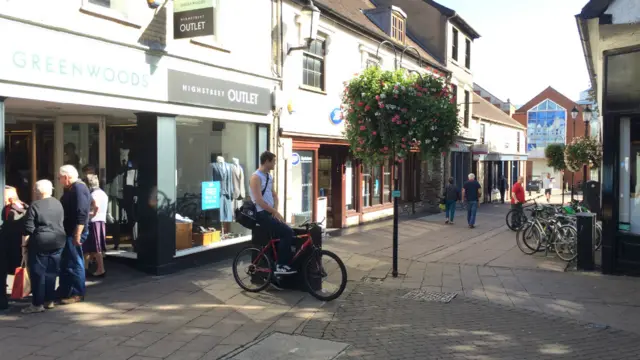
80, 141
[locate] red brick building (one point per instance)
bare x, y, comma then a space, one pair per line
555, 108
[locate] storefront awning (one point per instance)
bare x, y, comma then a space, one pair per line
499, 157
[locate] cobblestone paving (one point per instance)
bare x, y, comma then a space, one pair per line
381, 325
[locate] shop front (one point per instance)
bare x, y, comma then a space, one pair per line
459, 163
174, 150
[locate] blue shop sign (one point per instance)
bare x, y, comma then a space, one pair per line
336, 116
210, 195
295, 159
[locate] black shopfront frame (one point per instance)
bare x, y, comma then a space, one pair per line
620, 250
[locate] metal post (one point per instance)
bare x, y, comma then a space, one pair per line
573, 174
396, 187
584, 175
2, 152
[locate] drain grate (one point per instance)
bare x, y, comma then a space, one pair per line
372, 280
422, 295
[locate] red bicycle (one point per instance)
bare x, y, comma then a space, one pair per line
259, 264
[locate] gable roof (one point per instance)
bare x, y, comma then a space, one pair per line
486, 110
351, 12
595, 8
454, 17
535, 101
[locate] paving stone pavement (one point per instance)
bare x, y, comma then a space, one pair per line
380, 324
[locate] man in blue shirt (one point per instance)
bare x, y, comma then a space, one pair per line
471, 194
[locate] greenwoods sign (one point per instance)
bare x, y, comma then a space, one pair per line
192, 18
65, 61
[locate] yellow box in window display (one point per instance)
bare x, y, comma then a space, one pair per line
207, 238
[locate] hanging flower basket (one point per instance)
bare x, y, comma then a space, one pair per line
390, 112
583, 151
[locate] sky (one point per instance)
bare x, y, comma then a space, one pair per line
525, 46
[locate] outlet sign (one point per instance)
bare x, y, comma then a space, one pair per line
193, 18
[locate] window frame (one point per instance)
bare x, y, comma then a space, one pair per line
467, 53
398, 28
382, 200
307, 53
454, 90
518, 142
455, 44
467, 103
483, 130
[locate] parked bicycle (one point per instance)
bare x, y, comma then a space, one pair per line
190, 205
516, 217
546, 232
258, 265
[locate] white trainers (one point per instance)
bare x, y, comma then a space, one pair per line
32, 309
284, 270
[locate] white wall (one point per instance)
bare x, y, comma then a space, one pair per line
243, 41
462, 77
347, 54
503, 139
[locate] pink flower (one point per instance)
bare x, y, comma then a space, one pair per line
367, 108
403, 139
395, 87
360, 103
363, 128
395, 96
403, 146
378, 97
419, 94
404, 110
351, 110
395, 118
381, 105
413, 120
374, 133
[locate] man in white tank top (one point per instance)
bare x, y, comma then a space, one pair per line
262, 193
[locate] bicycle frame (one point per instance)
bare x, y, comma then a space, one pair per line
272, 245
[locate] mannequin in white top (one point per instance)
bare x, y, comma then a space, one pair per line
238, 183
222, 172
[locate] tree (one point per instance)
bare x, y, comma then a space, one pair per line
583, 151
555, 156
390, 112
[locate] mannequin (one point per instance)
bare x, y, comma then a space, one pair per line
223, 174
238, 183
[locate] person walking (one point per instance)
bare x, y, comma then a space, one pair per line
44, 238
547, 183
76, 202
13, 216
96, 243
502, 186
451, 196
471, 194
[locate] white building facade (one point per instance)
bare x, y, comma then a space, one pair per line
110, 87
319, 179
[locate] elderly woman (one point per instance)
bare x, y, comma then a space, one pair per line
44, 238
13, 213
96, 243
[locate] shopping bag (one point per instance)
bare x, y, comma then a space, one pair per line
21, 282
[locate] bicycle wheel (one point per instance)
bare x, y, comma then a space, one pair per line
515, 219
256, 267
320, 278
566, 240
598, 237
528, 238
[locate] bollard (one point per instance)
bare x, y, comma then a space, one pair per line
586, 224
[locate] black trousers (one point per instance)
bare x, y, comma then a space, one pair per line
4, 274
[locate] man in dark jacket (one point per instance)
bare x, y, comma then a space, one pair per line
502, 186
451, 196
76, 202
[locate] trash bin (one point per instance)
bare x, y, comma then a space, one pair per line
586, 226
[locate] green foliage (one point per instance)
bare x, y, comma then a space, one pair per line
583, 151
390, 112
555, 156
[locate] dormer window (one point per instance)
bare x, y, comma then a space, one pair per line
398, 27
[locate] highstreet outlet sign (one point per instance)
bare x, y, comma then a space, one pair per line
192, 18
194, 89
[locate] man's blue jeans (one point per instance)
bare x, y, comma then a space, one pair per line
281, 231
472, 207
72, 278
43, 271
450, 211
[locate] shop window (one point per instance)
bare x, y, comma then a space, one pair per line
454, 45
350, 185
263, 142
629, 208
214, 166
313, 65
301, 193
376, 184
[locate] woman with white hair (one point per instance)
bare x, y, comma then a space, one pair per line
96, 243
44, 239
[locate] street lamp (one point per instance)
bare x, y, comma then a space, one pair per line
586, 116
574, 115
309, 22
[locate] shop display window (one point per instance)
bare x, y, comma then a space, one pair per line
377, 184
215, 161
302, 165
629, 205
